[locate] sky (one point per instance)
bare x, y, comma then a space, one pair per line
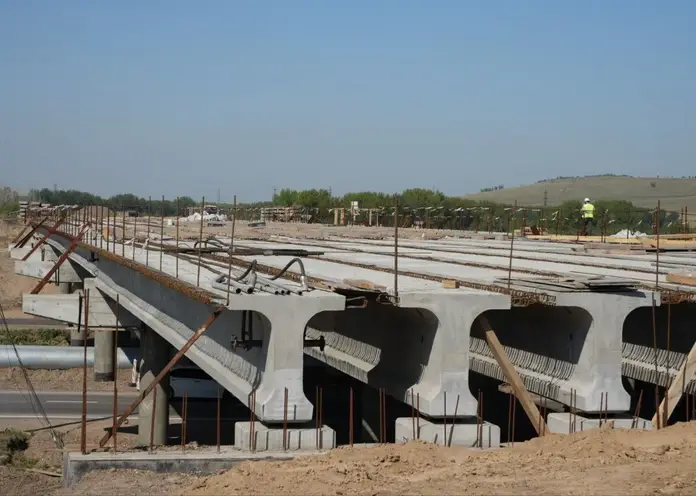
175, 97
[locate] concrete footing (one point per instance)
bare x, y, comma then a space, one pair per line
76, 465
561, 422
155, 352
456, 434
267, 438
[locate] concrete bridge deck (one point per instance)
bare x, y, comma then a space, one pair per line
569, 321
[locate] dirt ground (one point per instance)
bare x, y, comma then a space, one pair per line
11, 285
61, 380
597, 462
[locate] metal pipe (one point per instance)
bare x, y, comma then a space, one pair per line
219, 283
200, 238
60, 357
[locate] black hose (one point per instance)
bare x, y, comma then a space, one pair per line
285, 269
248, 270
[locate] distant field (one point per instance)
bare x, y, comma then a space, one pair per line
674, 194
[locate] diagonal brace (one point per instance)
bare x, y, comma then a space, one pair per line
50, 232
21, 242
60, 261
213, 317
676, 389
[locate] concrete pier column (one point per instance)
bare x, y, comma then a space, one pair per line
156, 354
104, 356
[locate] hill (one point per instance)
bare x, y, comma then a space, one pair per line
674, 193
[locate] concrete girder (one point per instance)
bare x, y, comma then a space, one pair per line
268, 369
421, 346
66, 308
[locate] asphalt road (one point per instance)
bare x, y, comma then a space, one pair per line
64, 405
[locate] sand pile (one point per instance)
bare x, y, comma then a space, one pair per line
602, 461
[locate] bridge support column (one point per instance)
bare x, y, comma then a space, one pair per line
104, 356
156, 354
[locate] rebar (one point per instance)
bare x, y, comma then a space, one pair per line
217, 434
229, 261
654, 336
350, 418
396, 248
512, 243
184, 419
668, 379
149, 222
152, 418
161, 232
509, 423
123, 232
514, 417
83, 432
636, 414
320, 407
480, 433
176, 252
657, 251
285, 420
601, 407
381, 416
114, 428
413, 414
200, 240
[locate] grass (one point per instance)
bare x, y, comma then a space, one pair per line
674, 193
13, 443
42, 337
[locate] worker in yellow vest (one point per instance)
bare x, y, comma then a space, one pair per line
587, 211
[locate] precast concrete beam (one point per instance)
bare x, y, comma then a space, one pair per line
277, 321
571, 348
66, 308
38, 269
419, 350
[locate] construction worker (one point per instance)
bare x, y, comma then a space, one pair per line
587, 211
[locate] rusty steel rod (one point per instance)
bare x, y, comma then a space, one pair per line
149, 222
229, 261
184, 415
509, 423
100, 219
217, 433
161, 232
478, 418
350, 417
19, 243
59, 262
481, 424
115, 359
83, 431
601, 408
152, 418
512, 244
636, 414
176, 252
666, 410
123, 231
444, 418
40, 243
396, 248
413, 414
657, 375
514, 417
285, 419
418, 414
321, 417
135, 233
200, 243
657, 249
316, 417
213, 317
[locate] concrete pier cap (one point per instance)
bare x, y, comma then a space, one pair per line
418, 349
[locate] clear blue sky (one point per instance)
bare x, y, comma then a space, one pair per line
181, 97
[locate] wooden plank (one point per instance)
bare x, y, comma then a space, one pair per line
685, 278
674, 394
364, 284
450, 284
513, 378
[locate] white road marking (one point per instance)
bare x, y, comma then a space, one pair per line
68, 401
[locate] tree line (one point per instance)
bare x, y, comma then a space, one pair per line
432, 209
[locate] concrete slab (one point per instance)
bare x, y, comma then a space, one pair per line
561, 421
202, 461
449, 435
267, 438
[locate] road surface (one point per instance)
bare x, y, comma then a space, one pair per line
64, 405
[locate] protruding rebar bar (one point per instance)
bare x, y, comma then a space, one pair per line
396, 248
161, 240
176, 252
152, 419
217, 434
350, 418
114, 426
149, 223
184, 420
512, 244
444, 418
413, 414
285, 420
229, 259
200, 243
83, 432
